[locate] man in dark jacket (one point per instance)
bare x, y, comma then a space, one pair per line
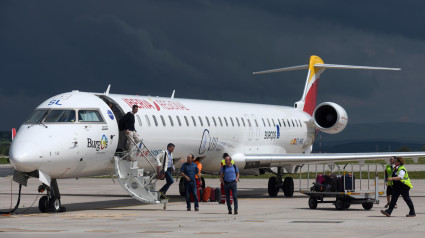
188, 171
128, 126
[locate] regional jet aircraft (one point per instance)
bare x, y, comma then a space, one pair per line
75, 134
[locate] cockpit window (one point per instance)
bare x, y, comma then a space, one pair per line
89, 116
61, 116
37, 116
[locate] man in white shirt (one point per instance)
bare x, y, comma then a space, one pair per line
166, 157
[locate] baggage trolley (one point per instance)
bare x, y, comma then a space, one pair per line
343, 199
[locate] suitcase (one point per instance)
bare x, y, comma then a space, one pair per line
212, 198
223, 196
206, 194
320, 179
198, 193
350, 183
217, 194
331, 183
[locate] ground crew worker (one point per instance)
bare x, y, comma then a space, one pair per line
229, 176
222, 193
188, 172
389, 169
198, 176
401, 185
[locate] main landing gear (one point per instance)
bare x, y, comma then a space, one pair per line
275, 183
51, 202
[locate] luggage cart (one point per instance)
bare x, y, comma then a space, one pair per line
343, 199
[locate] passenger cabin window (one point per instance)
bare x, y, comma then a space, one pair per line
37, 116
289, 124
231, 120
249, 122
154, 120
243, 121
280, 124
225, 121
274, 124
200, 121
268, 121
187, 121
194, 122
301, 125
215, 123
61, 116
138, 120
221, 123
293, 123
178, 120
208, 121
163, 121
147, 120
237, 120
256, 123
264, 123
171, 121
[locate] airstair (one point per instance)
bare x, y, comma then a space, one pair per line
136, 171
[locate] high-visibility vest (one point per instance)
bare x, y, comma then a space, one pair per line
223, 162
199, 168
405, 179
389, 169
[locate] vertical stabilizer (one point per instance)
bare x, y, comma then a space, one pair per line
308, 100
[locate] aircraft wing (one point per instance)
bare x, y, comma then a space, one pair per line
274, 160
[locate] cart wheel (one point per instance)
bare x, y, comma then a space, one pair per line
367, 205
347, 205
340, 204
312, 202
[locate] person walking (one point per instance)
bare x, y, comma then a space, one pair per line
401, 186
188, 171
166, 157
389, 169
229, 176
127, 124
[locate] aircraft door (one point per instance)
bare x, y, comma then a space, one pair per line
250, 127
256, 126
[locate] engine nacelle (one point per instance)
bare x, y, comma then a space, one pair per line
330, 117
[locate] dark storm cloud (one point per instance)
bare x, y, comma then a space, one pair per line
208, 50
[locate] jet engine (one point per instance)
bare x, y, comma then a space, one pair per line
330, 117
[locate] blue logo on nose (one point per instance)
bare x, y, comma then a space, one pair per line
111, 115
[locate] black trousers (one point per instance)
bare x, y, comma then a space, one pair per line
403, 190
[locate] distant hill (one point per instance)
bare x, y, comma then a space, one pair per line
5, 140
389, 136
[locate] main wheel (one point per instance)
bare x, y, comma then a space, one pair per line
367, 205
273, 187
182, 189
312, 202
55, 204
288, 187
340, 204
42, 204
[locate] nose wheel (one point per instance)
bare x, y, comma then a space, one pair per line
50, 202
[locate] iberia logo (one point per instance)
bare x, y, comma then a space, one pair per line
155, 104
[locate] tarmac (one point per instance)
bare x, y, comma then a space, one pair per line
98, 207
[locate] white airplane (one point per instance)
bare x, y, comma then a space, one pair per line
76, 134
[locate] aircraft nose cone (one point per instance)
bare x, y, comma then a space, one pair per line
24, 157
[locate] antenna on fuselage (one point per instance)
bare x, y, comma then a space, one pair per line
107, 90
172, 95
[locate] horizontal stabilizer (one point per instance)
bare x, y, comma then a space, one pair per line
324, 66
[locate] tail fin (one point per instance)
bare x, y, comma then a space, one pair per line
315, 68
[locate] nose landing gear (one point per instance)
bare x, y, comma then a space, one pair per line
51, 202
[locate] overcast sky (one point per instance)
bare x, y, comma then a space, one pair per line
209, 49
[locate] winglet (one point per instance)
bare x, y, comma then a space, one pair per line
172, 95
13, 133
